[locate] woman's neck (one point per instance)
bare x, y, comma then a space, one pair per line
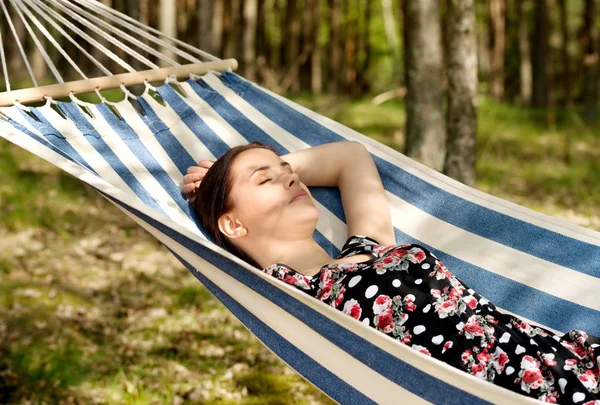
301, 255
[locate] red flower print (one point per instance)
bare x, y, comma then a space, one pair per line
326, 290
447, 345
399, 253
421, 349
466, 354
352, 308
417, 255
533, 378
381, 304
385, 321
470, 301
484, 356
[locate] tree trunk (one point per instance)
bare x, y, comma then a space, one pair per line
226, 42
249, 39
292, 43
364, 48
335, 61
204, 19
425, 125
524, 55
462, 91
350, 49
392, 40
498, 46
217, 27
307, 44
167, 24
566, 79
316, 74
589, 47
261, 41
539, 96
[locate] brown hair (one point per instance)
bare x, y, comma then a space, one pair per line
213, 198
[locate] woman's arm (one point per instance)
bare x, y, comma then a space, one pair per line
349, 166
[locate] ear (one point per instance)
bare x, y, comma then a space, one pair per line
231, 226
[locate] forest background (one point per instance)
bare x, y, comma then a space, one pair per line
501, 95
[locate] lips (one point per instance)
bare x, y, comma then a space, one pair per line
297, 193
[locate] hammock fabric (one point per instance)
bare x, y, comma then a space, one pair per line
540, 268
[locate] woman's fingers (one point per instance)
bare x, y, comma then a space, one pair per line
193, 177
206, 163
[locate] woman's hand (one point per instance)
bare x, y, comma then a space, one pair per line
193, 178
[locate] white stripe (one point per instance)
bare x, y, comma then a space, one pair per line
126, 156
495, 257
447, 183
186, 137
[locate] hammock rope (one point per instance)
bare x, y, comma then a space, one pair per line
90, 22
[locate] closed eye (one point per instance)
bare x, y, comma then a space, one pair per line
263, 182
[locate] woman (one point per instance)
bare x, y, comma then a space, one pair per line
257, 205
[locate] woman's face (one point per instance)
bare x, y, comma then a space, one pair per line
262, 186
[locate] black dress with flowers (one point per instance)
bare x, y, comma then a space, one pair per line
405, 292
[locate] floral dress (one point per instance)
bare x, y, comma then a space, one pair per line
405, 292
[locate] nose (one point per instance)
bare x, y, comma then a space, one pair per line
291, 179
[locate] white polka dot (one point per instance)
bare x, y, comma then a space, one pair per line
411, 297
509, 370
556, 337
460, 325
594, 345
396, 283
471, 291
371, 291
554, 348
427, 308
532, 342
561, 383
365, 321
354, 280
483, 301
578, 397
425, 266
520, 349
436, 340
418, 281
504, 338
419, 329
509, 326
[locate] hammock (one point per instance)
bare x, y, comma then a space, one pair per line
543, 269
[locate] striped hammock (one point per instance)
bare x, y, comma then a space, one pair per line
540, 268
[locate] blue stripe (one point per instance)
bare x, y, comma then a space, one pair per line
43, 126
178, 154
93, 137
213, 143
401, 373
131, 139
44, 142
485, 222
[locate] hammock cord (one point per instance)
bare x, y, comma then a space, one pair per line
19, 7
106, 36
14, 32
100, 5
87, 16
70, 39
85, 36
158, 41
4, 68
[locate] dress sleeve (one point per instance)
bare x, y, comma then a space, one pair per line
357, 244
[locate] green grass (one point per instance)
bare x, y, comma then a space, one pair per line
94, 309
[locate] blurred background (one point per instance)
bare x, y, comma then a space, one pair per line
501, 95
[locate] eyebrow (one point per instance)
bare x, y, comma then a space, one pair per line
282, 164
